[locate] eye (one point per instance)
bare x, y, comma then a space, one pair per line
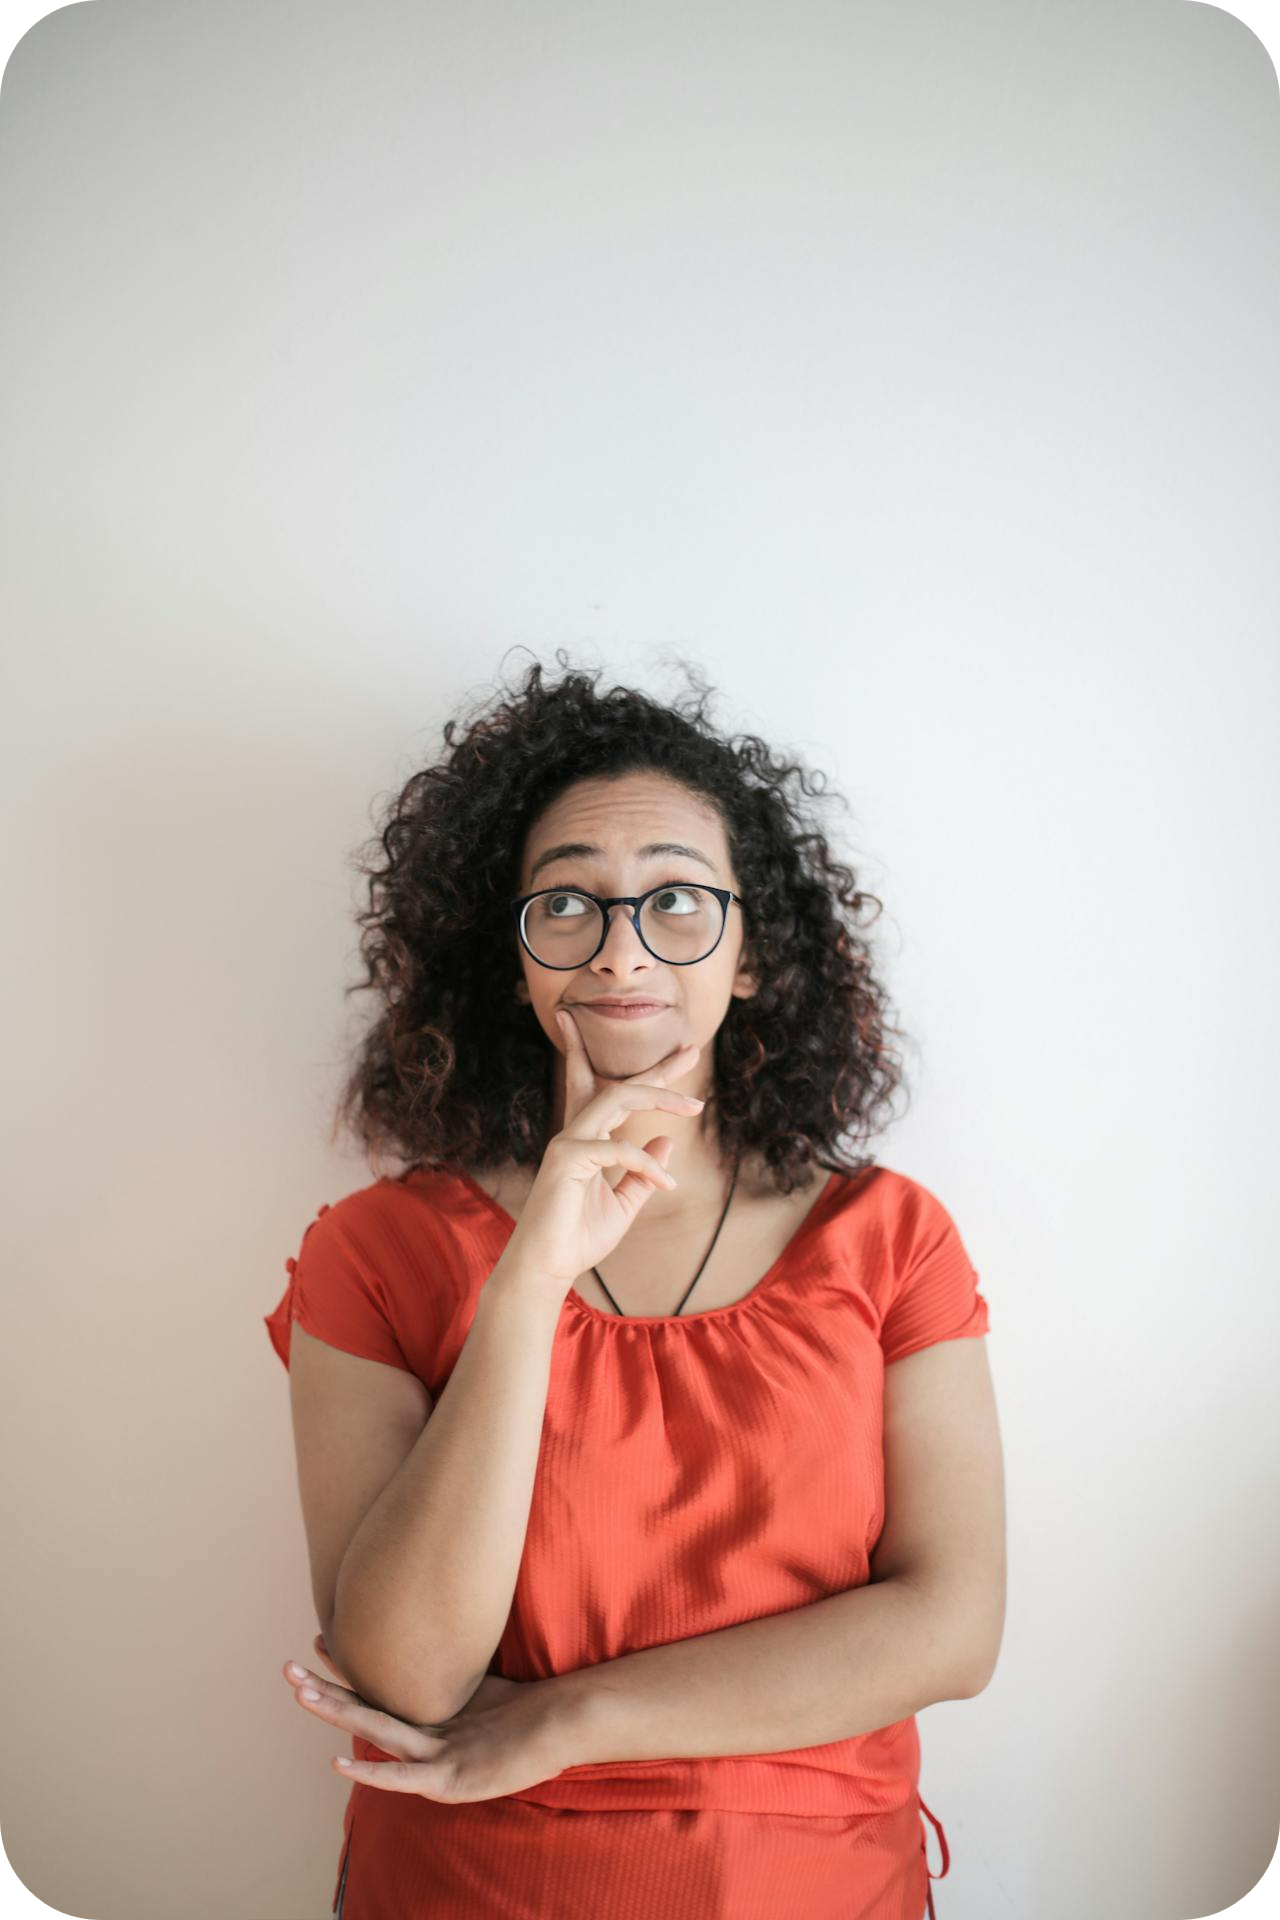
690, 897
554, 901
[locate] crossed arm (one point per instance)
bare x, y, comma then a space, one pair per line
823, 1672
927, 1626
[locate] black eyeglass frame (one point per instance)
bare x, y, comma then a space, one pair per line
635, 901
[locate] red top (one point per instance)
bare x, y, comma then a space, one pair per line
695, 1470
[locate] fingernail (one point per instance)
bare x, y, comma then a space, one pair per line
309, 1693
299, 1673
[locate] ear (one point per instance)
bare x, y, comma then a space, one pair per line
745, 983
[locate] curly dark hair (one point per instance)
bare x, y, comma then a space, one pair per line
454, 1072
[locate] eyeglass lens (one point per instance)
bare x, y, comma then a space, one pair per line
679, 924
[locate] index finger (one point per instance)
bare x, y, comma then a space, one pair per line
579, 1079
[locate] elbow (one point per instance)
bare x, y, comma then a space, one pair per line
973, 1683
976, 1617
979, 1670
383, 1678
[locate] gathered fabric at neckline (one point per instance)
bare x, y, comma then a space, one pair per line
749, 1300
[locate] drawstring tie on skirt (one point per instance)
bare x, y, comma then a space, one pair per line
924, 1848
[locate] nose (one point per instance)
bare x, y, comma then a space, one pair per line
625, 947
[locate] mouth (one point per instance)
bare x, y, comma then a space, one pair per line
621, 1009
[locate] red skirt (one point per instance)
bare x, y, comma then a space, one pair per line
407, 1858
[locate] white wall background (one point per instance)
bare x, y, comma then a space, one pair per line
912, 368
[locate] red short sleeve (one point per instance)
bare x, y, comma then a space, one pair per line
935, 1290
336, 1295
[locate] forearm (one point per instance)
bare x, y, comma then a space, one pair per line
838, 1667
426, 1584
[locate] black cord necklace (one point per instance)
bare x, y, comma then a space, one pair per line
706, 1256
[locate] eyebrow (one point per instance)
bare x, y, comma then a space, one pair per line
583, 850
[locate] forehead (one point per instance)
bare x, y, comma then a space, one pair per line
621, 815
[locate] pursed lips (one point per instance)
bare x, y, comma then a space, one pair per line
621, 1007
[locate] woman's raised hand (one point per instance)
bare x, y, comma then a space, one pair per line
572, 1217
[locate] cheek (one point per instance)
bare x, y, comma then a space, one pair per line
707, 998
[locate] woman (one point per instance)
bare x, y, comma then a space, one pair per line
596, 1404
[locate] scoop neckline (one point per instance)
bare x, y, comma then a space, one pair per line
574, 1299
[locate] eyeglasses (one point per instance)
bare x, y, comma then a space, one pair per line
565, 927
